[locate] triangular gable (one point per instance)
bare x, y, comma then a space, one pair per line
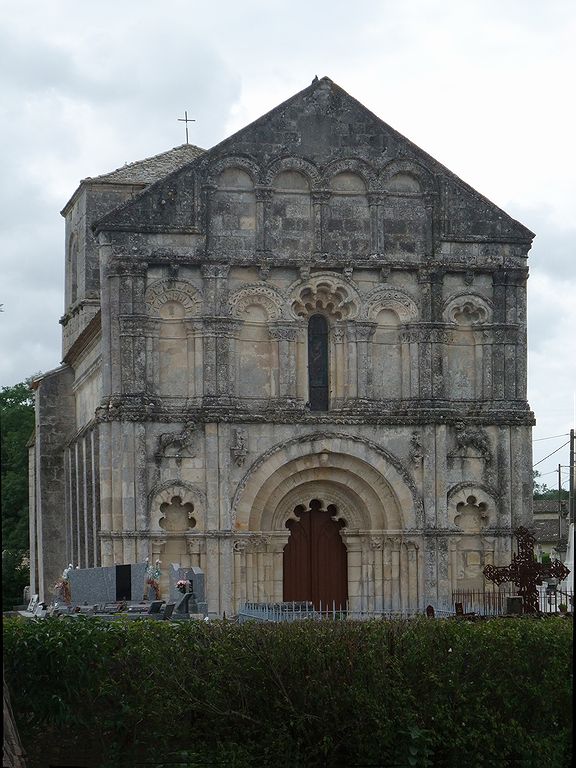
321, 124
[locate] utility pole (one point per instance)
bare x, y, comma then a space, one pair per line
559, 506
572, 490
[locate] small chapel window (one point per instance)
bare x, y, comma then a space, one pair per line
318, 363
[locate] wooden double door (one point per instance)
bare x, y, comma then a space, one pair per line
315, 558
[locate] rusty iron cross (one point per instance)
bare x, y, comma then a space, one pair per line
525, 571
186, 120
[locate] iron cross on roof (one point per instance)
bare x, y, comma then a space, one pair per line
525, 571
186, 120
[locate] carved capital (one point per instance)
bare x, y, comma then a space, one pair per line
214, 270
283, 331
263, 194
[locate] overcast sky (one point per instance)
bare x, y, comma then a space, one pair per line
485, 86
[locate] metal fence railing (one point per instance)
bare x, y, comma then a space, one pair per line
478, 602
299, 611
494, 603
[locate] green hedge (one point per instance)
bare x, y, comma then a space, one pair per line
381, 693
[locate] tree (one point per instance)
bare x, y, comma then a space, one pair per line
542, 491
16, 425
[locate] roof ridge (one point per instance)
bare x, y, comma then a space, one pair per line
143, 160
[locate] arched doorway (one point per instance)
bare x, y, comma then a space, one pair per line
315, 559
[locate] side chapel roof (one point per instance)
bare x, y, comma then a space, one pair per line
151, 169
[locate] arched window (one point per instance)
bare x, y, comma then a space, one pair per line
318, 363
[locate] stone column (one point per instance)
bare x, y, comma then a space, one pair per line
353, 543
487, 386
105, 255
340, 360
141, 490
377, 222
285, 335
278, 541
301, 361
412, 556
430, 570
404, 578
352, 361
263, 204
498, 362
395, 575
429, 237
208, 191
440, 469
376, 544
320, 213
363, 333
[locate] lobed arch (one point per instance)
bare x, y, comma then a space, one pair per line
166, 290
245, 163
270, 299
188, 494
346, 463
400, 302
483, 495
411, 168
467, 308
351, 165
299, 164
324, 293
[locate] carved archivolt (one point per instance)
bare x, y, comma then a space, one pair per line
409, 168
325, 293
161, 291
246, 164
187, 493
402, 304
350, 165
260, 295
345, 504
364, 468
305, 167
467, 309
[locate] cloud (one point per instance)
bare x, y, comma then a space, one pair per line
482, 86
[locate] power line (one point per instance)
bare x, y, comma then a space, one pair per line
550, 454
552, 437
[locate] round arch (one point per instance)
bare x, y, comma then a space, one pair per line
372, 486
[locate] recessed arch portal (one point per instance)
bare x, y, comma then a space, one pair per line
380, 492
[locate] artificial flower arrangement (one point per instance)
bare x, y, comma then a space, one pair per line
153, 578
182, 586
62, 587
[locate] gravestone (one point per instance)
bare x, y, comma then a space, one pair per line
193, 602
514, 605
33, 603
175, 574
108, 584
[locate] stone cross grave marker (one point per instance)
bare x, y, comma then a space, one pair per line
525, 571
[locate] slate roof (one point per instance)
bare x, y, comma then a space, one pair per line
152, 168
546, 531
547, 506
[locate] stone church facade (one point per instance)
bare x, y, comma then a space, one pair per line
296, 360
